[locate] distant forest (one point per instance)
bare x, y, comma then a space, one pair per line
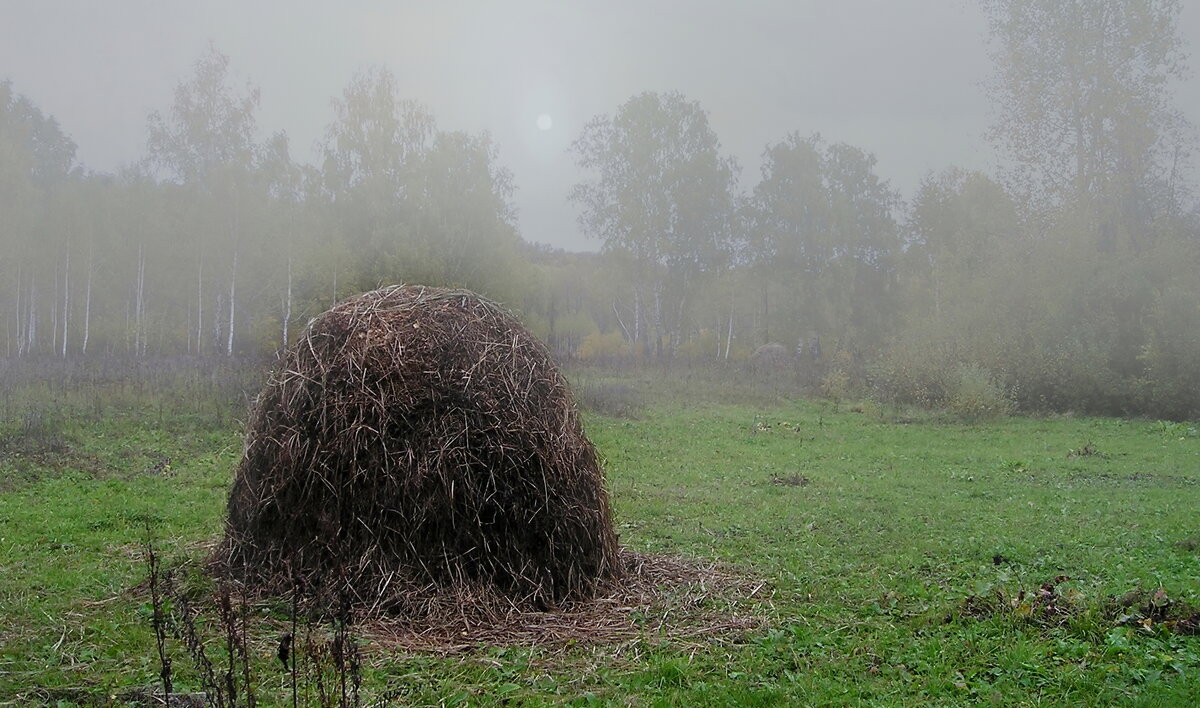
1067, 281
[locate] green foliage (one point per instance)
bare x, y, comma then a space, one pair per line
925, 374
913, 371
607, 348
977, 394
1172, 354
842, 377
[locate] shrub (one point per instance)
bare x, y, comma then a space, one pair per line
607, 347
916, 372
1172, 356
977, 394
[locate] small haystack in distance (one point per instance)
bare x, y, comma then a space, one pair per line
417, 440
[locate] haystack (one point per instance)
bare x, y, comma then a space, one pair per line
419, 440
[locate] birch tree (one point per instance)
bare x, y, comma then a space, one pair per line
206, 143
36, 160
408, 201
661, 200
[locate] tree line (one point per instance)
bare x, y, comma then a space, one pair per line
1065, 280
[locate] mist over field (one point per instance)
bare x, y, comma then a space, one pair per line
926, 204
563, 353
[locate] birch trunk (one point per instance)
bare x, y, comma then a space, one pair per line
199, 305
31, 327
87, 304
287, 306
139, 340
729, 334
232, 302
54, 312
66, 309
637, 315
621, 322
20, 327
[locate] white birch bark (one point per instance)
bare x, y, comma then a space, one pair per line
87, 304
232, 302
199, 304
54, 312
31, 327
729, 334
66, 308
20, 326
139, 341
287, 307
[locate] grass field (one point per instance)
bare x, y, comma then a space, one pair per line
913, 560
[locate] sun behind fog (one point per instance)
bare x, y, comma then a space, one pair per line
545, 122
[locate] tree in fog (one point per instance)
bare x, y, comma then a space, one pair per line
369, 174
962, 226
823, 237
1083, 96
288, 184
1074, 289
37, 160
409, 202
206, 144
661, 200
466, 211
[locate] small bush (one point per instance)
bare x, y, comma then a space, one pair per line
605, 348
913, 372
1170, 357
842, 377
977, 394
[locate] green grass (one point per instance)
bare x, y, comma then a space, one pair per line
873, 559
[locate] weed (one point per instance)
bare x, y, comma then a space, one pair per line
1191, 543
1088, 450
792, 480
158, 620
1178, 431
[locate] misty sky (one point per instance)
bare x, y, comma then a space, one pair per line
900, 78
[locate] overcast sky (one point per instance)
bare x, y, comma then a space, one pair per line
902, 79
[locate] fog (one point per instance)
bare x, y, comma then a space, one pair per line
955, 199
901, 80
663, 352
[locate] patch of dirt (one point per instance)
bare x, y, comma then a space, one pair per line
1146, 609
1051, 606
1190, 544
794, 480
1088, 450
1045, 606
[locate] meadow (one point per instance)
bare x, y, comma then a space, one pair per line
905, 557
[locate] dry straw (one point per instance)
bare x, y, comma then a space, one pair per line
418, 442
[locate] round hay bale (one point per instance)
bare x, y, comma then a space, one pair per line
418, 439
